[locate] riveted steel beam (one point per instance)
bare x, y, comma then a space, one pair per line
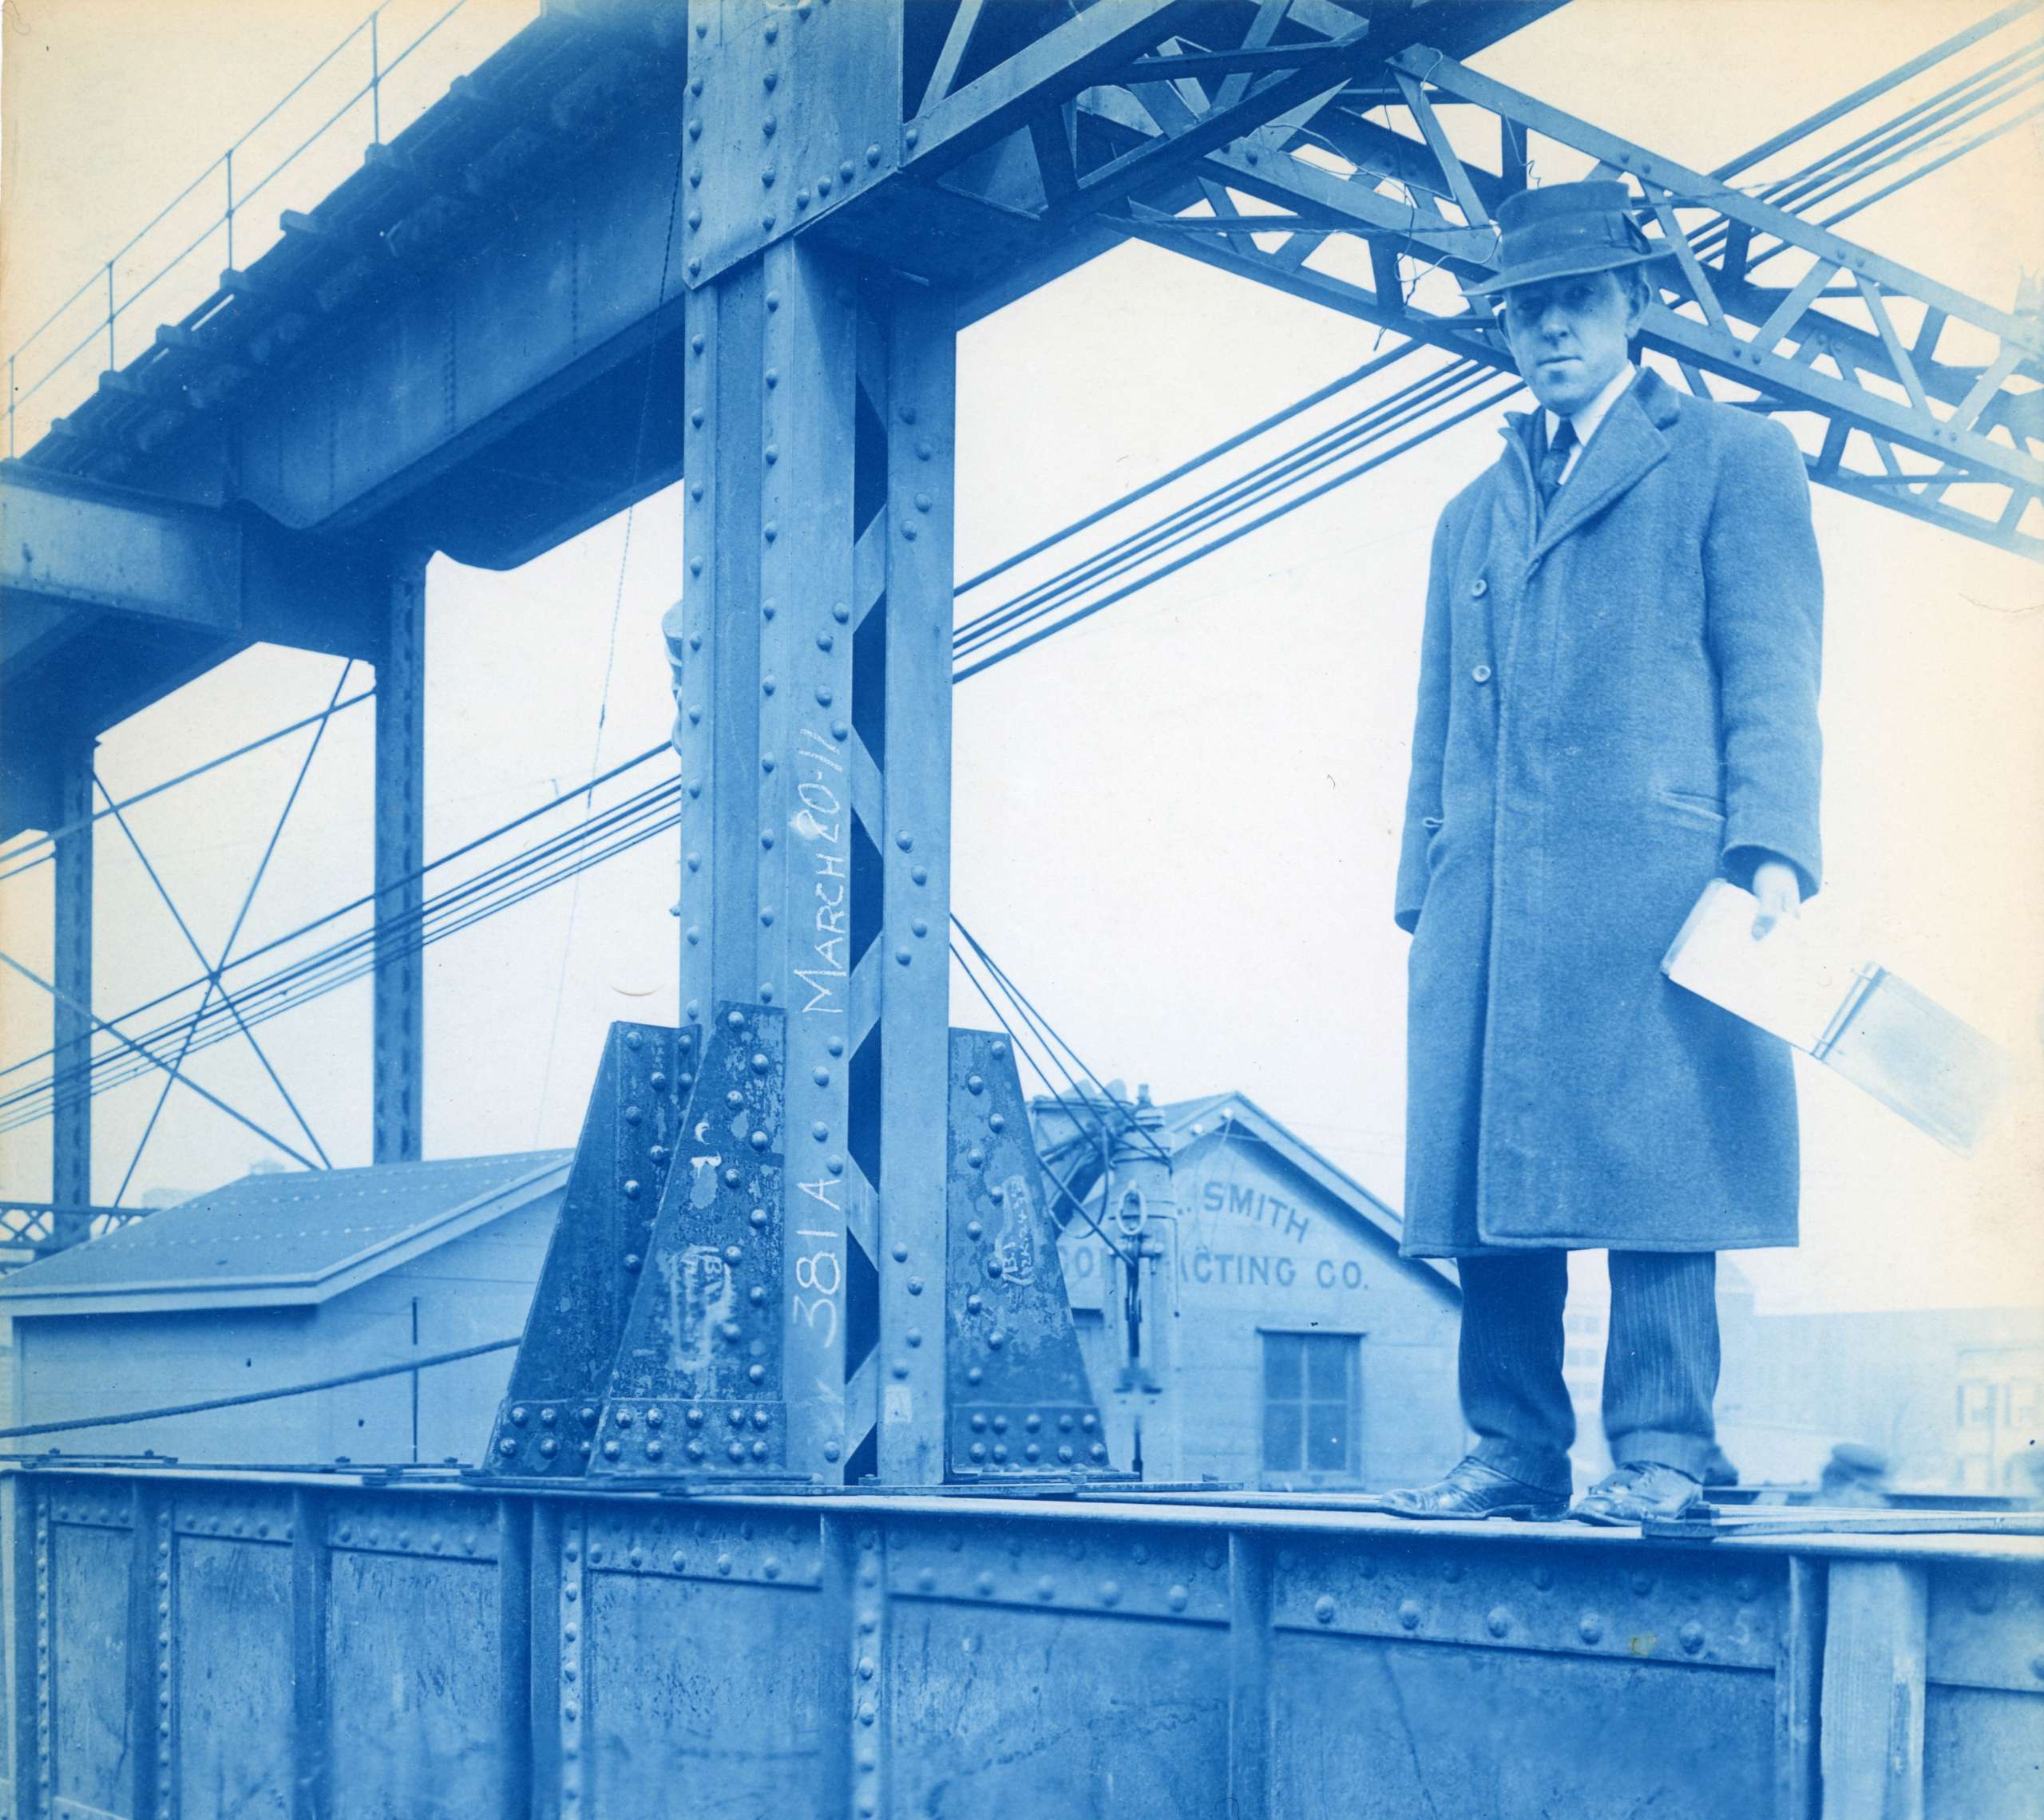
834, 1653
71, 1123
1020, 1403
811, 656
109, 599
398, 1012
547, 1425
1951, 441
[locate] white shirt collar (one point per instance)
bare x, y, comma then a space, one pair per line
1586, 420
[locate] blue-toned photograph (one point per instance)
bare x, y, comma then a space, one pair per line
1022, 910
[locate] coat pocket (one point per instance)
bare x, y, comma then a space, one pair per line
1695, 803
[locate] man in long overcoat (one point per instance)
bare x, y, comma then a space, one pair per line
1617, 703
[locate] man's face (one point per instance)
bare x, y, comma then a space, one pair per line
1570, 335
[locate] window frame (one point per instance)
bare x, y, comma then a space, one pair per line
1303, 1477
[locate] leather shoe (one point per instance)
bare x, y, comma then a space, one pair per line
1636, 1491
1471, 1492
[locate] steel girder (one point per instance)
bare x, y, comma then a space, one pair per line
1922, 399
310, 1637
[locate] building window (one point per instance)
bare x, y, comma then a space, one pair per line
1309, 1399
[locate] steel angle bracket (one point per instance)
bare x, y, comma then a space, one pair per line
695, 1397
1020, 1406
545, 1426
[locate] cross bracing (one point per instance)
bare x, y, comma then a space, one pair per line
1344, 151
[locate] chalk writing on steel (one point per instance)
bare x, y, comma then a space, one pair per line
701, 1296
820, 821
1015, 1243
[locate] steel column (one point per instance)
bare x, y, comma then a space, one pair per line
818, 417
398, 1017
1872, 1748
905, 1088
71, 1129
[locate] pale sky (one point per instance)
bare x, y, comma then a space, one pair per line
1176, 825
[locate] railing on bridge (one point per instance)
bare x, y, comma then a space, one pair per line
201, 1645
394, 66
30, 1229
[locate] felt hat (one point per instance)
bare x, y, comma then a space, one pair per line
1563, 230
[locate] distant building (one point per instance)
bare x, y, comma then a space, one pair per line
283, 1279
1278, 1340
1951, 1396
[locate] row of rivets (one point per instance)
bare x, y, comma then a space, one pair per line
571, 1620
45, 1667
165, 1665
867, 1644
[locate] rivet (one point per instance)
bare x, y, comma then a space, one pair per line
1177, 1598
844, 171
1589, 1627
1543, 1578
1408, 1613
1323, 1609
1498, 1622
1643, 1583
873, 154
1691, 1637
1110, 1592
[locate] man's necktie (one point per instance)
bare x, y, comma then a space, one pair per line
1555, 460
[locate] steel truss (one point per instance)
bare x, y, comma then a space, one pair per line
1919, 398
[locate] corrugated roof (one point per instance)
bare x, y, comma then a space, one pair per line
299, 1237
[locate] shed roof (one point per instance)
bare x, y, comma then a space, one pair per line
275, 1240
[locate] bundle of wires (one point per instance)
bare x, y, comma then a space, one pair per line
256, 997
1927, 131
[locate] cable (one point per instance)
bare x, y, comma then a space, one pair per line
510, 882
610, 655
1228, 537
319, 921
1041, 1025
169, 1410
113, 807
1043, 1163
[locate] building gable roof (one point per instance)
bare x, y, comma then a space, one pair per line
280, 1240
1191, 1121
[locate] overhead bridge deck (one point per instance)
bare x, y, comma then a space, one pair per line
201, 1644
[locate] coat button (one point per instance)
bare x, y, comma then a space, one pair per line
1481, 673
1479, 588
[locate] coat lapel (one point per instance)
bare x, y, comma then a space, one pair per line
1628, 445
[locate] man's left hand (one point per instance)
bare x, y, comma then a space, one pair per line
1778, 894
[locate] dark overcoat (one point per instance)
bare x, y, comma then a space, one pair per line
1618, 702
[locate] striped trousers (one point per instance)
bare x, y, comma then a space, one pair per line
1660, 1364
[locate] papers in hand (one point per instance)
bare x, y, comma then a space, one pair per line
1877, 1031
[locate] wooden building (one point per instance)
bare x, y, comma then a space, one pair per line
1280, 1341
284, 1279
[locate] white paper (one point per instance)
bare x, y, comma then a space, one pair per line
1790, 982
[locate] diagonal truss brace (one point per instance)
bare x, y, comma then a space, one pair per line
1918, 397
